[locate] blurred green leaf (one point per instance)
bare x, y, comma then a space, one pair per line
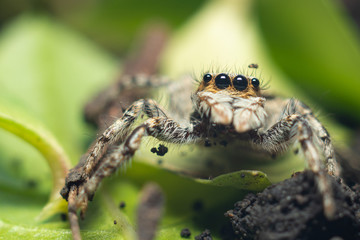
115, 23
47, 73
318, 47
46, 144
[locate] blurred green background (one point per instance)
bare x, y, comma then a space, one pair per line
56, 55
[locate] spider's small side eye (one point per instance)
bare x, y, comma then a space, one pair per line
240, 82
207, 77
255, 82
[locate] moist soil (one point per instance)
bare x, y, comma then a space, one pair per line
293, 209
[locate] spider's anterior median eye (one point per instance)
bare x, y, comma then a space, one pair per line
255, 82
240, 82
207, 77
222, 81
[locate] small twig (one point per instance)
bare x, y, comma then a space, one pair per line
150, 211
73, 218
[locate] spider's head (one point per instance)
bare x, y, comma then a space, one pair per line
230, 84
230, 99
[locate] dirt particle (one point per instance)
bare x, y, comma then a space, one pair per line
185, 233
209, 163
253, 65
31, 183
122, 205
205, 235
198, 205
223, 143
63, 217
160, 151
115, 222
207, 143
296, 151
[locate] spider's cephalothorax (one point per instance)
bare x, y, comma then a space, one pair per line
230, 99
230, 103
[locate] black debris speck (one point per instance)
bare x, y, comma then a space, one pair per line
205, 235
254, 65
160, 161
207, 143
115, 222
160, 151
31, 183
185, 233
63, 217
223, 143
122, 205
296, 151
198, 205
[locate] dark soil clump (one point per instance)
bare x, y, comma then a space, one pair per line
205, 235
293, 209
185, 233
122, 205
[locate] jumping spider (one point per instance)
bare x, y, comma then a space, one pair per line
230, 105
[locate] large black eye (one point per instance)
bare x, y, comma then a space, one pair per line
240, 82
255, 82
207, 77
222, 81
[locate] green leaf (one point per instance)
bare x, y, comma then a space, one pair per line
47, 73
317, 46
46, 144
101, 20
181, 196
244, 180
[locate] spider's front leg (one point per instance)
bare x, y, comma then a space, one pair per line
100, 164
162, 128
297, 124
117, 132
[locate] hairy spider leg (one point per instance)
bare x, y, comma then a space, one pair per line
119, 130
115, 133
294, 106
162, 128
331, 164
278, 138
